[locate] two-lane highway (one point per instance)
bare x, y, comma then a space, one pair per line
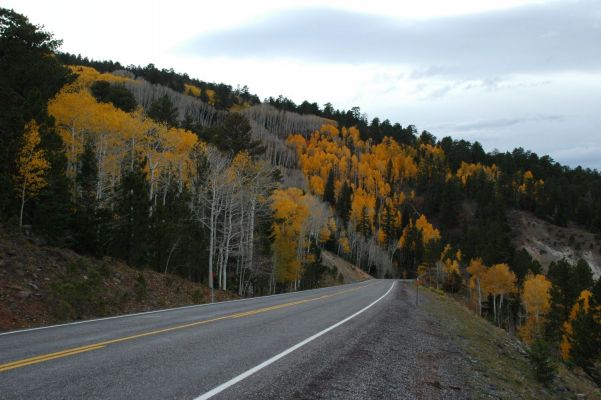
191, 352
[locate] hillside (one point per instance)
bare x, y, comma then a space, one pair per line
350, 272
498, 363
547, 243
167, 173
42, 285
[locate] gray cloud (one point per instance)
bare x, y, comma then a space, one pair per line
552, 37
497, 123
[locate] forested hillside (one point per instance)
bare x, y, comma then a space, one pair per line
170, 173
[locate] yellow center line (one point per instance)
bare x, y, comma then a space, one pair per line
95, 346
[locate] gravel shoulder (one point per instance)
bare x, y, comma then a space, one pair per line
397, 351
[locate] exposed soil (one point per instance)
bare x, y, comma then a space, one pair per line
349, 271
30, 272
546, 242
498, 366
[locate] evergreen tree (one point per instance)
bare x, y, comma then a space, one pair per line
329, 196
234, 136
117, 95
582, 276
568, 282
91, 224
562, 298
343, 204
541, 361
85, 222
450, 208
163, 110
364, 225
585, 338
132, 212
28, 79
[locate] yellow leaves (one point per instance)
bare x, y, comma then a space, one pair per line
88, 75
529, 184
582, 305
535, 294
330, 130
476, 269
191, 90
536, 299
345, 245
499, 279
324, 234
317, 184
117, 134
31, 163
467, 170
428, 231
362, 204
431, 151
289, 213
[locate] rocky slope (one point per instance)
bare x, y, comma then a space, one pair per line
546, 242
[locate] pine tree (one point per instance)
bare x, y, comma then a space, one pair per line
586, 338
541, 361
132, 211
28, 79
163, 110
329, 196
344, 202
91, 223
233, 135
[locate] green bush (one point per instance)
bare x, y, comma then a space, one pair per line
141, 287
197, 296
541, 361
78, 294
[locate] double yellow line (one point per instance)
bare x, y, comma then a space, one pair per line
76, 350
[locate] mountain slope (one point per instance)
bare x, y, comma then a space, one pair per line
548, 243
41, 285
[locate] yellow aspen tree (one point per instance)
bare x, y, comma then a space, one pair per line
499, 281
477, 269
536, 299
31, 166
582, 304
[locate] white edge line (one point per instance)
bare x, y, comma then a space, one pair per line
275, 358
170, 309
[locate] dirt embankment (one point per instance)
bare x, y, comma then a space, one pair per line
349, 272
42, 285
495, 362
546, 242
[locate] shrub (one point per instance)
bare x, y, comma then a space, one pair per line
78, 294
140, 288
197, 296
541, 361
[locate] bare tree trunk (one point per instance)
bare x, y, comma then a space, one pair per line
479, 297
170, 253
22, 207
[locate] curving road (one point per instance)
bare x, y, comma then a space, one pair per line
266, 347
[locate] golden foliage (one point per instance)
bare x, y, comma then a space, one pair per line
499, 280
31, 163
117, 135
537, 302
289, 213
582, 304
191, 90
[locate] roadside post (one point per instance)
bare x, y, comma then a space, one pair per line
418, 283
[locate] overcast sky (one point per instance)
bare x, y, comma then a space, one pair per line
508, 73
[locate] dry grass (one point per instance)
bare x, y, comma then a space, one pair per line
500, 366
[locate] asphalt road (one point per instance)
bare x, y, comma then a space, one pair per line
267, 347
